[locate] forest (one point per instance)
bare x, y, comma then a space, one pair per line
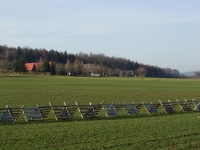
79, 64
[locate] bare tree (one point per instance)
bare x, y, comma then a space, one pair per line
41, 60
4, 56
68, 66
109, 71
98, 69
3, 64
82, 67
141, 71
121, 73
197, 73
75, 66
117, 71
59, 67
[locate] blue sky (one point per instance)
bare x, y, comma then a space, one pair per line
159, 33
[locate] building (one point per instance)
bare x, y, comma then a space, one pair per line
33, 66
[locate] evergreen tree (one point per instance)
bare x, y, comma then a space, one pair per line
46, 66
19, 53
9, 54
19, 66
14, 66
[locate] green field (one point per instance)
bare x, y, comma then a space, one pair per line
177, 131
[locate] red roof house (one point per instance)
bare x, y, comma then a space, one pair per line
30, 66
38, 65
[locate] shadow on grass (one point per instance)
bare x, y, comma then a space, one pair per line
100, 118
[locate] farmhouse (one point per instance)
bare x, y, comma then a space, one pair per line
33, 66
128, 73
30, 67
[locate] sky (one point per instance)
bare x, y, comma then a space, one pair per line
158, 33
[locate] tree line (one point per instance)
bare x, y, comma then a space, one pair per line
78, 64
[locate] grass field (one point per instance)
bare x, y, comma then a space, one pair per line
177, 131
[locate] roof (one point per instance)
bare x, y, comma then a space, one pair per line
30, 66
38, 65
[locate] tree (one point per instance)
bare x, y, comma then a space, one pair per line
68, 66
104, 63
52, 67
4, 55
71, 58
197, 73
3, 65
19, 52
117, 71
75, 66
19, 66
101, 62
60, 69
121, 73
141, 71
39, 64
41, 60
109, 71
176, 73
46, 66
81, 67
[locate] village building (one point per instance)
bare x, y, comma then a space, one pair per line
33, 66
128, 73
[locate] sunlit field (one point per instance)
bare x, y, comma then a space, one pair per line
161, 131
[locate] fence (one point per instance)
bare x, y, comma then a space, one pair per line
89, 111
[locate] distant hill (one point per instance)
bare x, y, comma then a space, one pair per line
191, 73
80, 63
